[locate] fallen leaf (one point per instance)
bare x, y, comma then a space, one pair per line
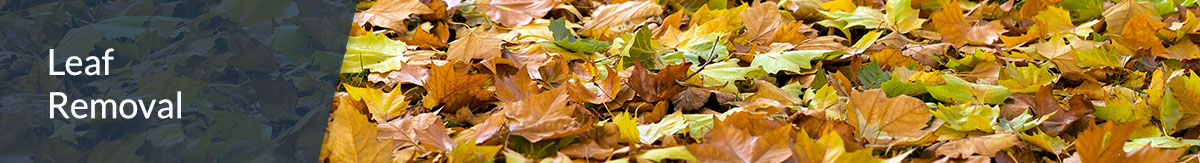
391, 13
879, 117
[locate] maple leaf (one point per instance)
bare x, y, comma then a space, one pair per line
475, 45
728, 143
953, 28
352, 138
543, 116
400, 73
957, 90
982, 145
382, 106
1025, 79
654, 88
1104, 143
839, 5
968, 117
426, 130
391, 13
1140, 33
515, 13
877, 116
437, 39
761, 21
901, 17
613, 14
454, 88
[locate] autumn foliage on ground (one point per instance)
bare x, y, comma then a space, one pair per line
769, 81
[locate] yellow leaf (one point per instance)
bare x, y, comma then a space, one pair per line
383, 106
839, 5
1141, 33
353, 139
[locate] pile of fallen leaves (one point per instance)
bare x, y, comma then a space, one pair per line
769, 81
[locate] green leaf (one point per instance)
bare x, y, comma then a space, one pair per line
1084, 9
897, 86
667, 126
640, 46
960, 91
1025, 79
823, 98
725, 72
677, 152
872, 76
1120, 106
862, 17
1019, 124
901, 17
1100, 57
370, 49
701, 48
968, 117
564, 37
792, 61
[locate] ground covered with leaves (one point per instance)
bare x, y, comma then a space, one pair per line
769, 81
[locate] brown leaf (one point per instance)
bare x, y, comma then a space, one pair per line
877, 116
515, 87
654, 88
408, 74
515, 13
455, 88
543, 116
728, 143
476, 45
426, 130
391, 13
437, 39
1104, 143
983, 145
761, 21
613, 14
693, 98
1151, 154
1046, 104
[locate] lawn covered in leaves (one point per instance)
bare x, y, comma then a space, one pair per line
769, 81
